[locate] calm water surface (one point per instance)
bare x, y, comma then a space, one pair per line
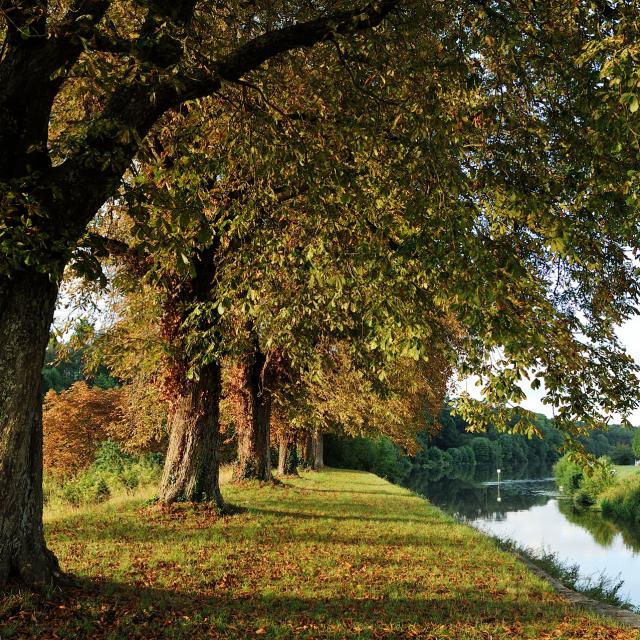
532, 513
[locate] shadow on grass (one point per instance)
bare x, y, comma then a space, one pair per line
144, 533
374, 492
104, 609
132, 532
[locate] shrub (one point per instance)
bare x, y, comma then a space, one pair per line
74, 422
112, 470
568, 475
87, 488
584, 484
622, 501
380, 456
110, 457
601, 477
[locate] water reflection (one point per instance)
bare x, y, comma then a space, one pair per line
532, 513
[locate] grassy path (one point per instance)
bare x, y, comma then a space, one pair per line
337, 554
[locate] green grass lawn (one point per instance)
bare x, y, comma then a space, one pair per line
624, 471
336, 554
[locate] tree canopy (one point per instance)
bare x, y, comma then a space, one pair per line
393, 173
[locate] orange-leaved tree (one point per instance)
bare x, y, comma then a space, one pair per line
75, 421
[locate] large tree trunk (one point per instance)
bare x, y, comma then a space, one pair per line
253, 418
288, 455
27, 303
191, 466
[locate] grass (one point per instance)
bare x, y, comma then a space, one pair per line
625, 471
336, 554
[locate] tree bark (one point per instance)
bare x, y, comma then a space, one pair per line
191, 467
288, 455
306, 450
27, 303
318, 449
312, 450
253, 418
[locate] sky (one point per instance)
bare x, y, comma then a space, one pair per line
629, 334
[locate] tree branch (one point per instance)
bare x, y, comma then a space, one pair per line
134, 108
254, 53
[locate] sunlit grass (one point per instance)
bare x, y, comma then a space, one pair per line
625, 471
336, 554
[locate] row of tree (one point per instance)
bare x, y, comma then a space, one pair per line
331, 205
93, 408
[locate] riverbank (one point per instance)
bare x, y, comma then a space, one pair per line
336, 554
612, 490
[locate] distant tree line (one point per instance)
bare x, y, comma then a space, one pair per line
452, 452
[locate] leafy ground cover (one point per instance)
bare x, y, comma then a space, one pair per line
336, 554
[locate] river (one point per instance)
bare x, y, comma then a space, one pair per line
532, 513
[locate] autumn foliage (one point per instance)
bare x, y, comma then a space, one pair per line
75, 421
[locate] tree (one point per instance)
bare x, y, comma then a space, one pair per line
74, 423
636, 443
492, 200
622, 454
62, 158
288, 459
312, 450
253, 381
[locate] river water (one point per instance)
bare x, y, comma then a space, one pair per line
535, 515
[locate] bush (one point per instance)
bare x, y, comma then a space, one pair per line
584, 484
110, 457
74, 421
622, 501
568, 475
87, 488
112, 471
380, 456
601, 478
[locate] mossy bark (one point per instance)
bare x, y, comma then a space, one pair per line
191, 470
27, 303
253, 418
288, 455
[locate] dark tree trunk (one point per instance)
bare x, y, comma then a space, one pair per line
253, 418
318, 449
312, 450
306, 450
27, 303
288, 455
191, 466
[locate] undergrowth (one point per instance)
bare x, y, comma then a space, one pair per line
112, 473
